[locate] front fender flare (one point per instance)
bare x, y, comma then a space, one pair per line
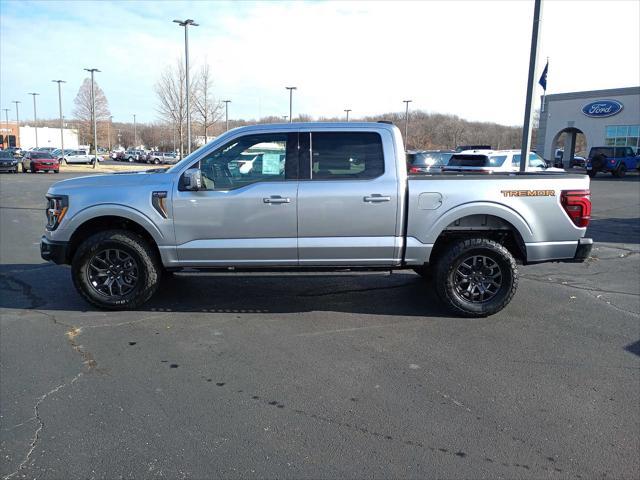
114, 210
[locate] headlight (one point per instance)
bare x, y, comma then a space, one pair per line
57, 206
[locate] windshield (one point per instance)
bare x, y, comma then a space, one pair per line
41, 155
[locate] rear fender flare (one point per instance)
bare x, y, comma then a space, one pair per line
480, 208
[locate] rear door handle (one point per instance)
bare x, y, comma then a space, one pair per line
276, 199
376, 198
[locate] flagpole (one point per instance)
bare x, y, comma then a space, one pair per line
533, 57
544, 92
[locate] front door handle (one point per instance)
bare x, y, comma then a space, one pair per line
276, 199
376, 198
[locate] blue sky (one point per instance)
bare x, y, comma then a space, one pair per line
465, 58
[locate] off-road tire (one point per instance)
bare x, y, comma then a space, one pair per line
453, 256
149, 269
620, 171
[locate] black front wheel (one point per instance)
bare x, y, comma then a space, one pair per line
476, 277
116, 270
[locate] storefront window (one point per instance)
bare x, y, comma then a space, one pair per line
622, 135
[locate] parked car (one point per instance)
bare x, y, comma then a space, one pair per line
578, 161
616, 160
493, 161
342, 200
80, 156
161, 157
36, 161
428, 161
15, 151
463, 148
57, 153
133, 155
8, 163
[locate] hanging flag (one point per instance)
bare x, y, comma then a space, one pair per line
543, 77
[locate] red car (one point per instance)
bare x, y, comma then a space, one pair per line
40, 162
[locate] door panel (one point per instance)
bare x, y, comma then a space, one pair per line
246, 215
350, 220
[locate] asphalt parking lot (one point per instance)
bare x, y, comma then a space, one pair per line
321, 375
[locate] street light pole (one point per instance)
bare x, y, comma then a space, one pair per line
226, 113
93, 113
109, 132
6, 118
406, 122
135, 132
60, 82
35, 116
17, 118
291, 89
347, 110
185, 24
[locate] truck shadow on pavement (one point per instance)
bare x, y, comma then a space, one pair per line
614, 230
49, 287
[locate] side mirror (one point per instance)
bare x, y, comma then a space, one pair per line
193, 179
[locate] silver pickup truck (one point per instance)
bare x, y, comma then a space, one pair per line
313, 196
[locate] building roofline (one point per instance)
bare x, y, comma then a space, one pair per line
611, 92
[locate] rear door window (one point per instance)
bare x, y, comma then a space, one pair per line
346, 155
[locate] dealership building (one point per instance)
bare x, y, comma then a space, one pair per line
604, 117
27, 137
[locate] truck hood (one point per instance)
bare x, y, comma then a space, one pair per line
113, 180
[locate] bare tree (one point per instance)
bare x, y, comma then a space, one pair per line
83, 109
172, 105
208, 109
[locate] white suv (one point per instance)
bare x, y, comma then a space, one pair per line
490, 161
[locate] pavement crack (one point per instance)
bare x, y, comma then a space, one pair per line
41, 424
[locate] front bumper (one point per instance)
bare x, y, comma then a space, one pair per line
39, 167
57, 252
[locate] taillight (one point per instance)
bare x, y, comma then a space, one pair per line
414, 170
577, 204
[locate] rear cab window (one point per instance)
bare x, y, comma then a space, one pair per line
346, 156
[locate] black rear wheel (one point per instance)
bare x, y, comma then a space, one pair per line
476, 277
620, 171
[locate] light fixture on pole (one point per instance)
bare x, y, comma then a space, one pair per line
347, 110
60, 82
406, 122
185, 24
35, 116
93, 114
291, 89
226, 113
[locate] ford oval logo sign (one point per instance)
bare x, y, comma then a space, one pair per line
602, 108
